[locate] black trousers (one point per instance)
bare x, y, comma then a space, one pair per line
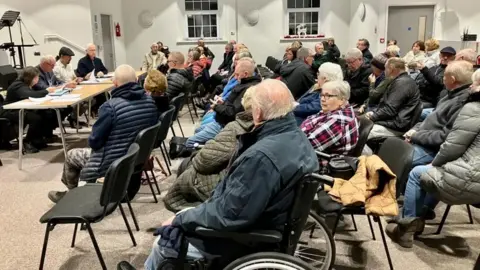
37, 121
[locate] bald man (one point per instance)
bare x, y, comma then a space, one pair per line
120, 119
258, 190
91, 63
226, 110
153, 59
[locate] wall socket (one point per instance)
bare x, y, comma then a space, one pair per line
36, 53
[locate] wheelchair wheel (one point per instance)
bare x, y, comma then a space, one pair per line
269, 260
316, 245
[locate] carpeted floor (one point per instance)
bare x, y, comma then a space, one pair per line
23, 200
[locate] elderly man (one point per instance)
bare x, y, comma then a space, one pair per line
153, 59
226, 110
120, 119
90, 63
206, 51
357, 76
431, 133
297, 74
364, 45
47, 78
469, 55
179, 79
333, 48
334, 130
396, 111
321, 56
244, 200
227, 59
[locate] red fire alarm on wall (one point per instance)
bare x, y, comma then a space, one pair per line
118, 31
382, 40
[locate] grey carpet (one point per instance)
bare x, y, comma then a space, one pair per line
23, 200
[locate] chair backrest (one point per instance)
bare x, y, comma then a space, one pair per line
365, 127
302, 202
397, 154
178, 102
146, 140
271, 63
166, 120
118, 177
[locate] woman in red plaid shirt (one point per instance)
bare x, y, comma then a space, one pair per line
334, 130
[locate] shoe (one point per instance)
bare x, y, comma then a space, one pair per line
403, 232
73, 124
29, 148
396, 218
6, 146
125, 266
56, 196
429, 214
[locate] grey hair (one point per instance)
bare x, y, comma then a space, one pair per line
331, 72
341, 88
90, 45
46, 59
248, 64
393, 50
476, 76
125, 74
273, 98
461, 70
468, 55
244, 54
354, 54
302, 53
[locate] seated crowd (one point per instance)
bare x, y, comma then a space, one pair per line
257, 128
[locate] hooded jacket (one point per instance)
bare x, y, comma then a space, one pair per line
455, 175
298, 77
179, 81
120, 119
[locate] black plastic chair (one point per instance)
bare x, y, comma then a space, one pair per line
445, 215
93, 202
365, 127
178, 102
166, 122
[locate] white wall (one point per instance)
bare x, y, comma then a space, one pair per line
263, 39
69, 19
113, 8
364, 29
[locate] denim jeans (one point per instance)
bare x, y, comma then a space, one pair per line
415, 197
160, 254
425, 114
422, 156
204, 134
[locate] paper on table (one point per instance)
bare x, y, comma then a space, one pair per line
61, 100
69, 96
40, 100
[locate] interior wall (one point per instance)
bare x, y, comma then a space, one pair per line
113, 8
49, 17
368, 27
263, 39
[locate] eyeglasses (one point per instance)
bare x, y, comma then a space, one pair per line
327, 96
351, 61
171, 61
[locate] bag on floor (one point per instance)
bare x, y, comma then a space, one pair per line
178, 148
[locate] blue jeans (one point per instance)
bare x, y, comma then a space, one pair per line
415, 197
422, 156
204, 134
160, 254
425, 114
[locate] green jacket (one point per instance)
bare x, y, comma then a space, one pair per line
375, 94
322, 58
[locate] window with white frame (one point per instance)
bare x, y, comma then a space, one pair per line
202, 19
303, 17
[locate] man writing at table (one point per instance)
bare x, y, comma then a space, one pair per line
120, 119
91, 64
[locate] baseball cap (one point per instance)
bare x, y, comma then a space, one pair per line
448, 50
66, 51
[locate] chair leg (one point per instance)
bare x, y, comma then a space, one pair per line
469, 214
127, 224
194, 107
1, 164
354, 223
95, 245
442, 222
337, 219
371, 227
161, 166
132, 213
151, 188
377, 219
180, 126
45, 243
165, 159
74, 235
173, 131
155, 182
166, 153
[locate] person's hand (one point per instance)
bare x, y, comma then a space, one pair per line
372, 78
71, 84
168, 222
79, 80
361, 109
219, 100
51, 89
409, 133
420, 65
87, 77
100, 74
368, 115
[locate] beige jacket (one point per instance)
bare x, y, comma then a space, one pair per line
151, 61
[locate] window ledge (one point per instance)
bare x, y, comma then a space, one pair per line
207, 41
290, 40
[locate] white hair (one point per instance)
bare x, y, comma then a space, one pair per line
90, 45
341, 88
47, 59
354, 54
461, 70
331, 72
246, 64
468, 54
125, 74
476, 76
273, 99
393, 50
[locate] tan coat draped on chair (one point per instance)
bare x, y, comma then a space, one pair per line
373, 185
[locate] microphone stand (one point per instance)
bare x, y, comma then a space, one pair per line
21, 39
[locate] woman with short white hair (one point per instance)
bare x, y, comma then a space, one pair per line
309, 103
334, 130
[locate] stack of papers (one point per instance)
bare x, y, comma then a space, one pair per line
40, 100
97, 81
67, 98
